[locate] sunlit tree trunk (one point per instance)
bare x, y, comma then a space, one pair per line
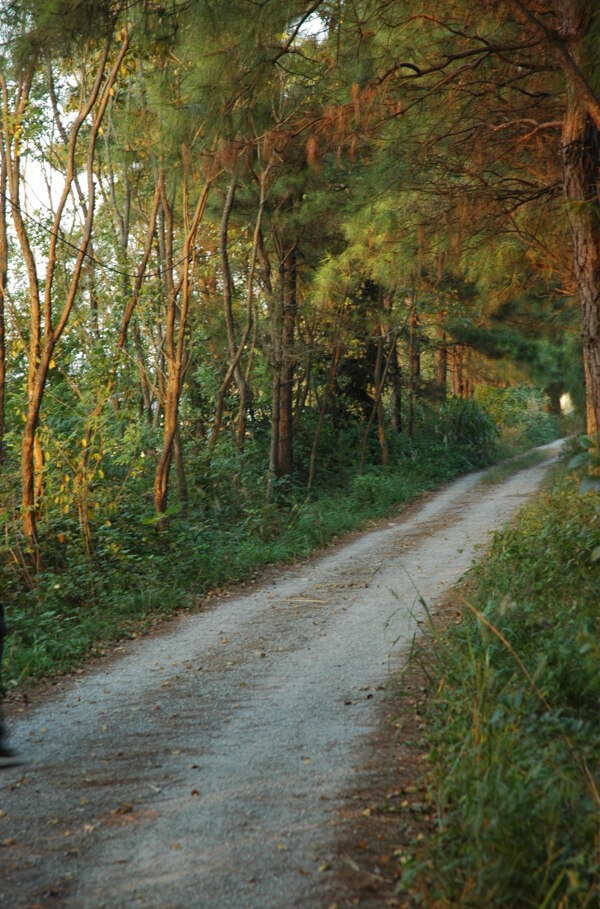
235, 367
3, 277
175, 335
40, 351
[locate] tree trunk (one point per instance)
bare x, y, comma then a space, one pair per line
328, 390
274, 447
581, 175
457, 381
161, 477
235, 367
414, 366
238, 373
3, 276
379, 385
175, 336
441, 366
180, 468
387, 299
591, 419
285, 457
379, 382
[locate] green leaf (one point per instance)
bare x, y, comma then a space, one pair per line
583, 457
589, 484
587, 442
595, 556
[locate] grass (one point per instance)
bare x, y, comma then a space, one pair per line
512, 465
512, 721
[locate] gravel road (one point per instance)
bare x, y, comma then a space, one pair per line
205, 766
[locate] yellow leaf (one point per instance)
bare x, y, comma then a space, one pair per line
84, 442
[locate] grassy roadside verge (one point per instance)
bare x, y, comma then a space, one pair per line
512, 722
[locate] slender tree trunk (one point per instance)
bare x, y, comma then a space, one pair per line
322, 410
396, 384
182, 488
387, 299
379, 382
175, 337
375, 409
238, 373
414, 366
3, 276
145, 385
236, 356
274, 446
441, 363
285, 456
302, 391
40, 355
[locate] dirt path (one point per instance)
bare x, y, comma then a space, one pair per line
205, 767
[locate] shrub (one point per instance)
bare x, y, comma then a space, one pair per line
464, 423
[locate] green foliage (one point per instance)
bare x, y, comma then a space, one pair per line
521, 412
137, 574
589, 460
513, 729
465, 422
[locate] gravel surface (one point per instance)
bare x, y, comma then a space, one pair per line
205, 766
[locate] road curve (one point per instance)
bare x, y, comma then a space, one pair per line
203, 768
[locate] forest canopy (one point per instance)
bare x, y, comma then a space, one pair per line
248, 248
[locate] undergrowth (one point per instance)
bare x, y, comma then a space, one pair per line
138, 575
131, 574
512, 721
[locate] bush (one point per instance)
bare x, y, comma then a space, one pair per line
464, 423
522, 415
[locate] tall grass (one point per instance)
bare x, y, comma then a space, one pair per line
513, 724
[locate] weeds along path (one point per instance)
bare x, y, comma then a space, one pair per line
205, 766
